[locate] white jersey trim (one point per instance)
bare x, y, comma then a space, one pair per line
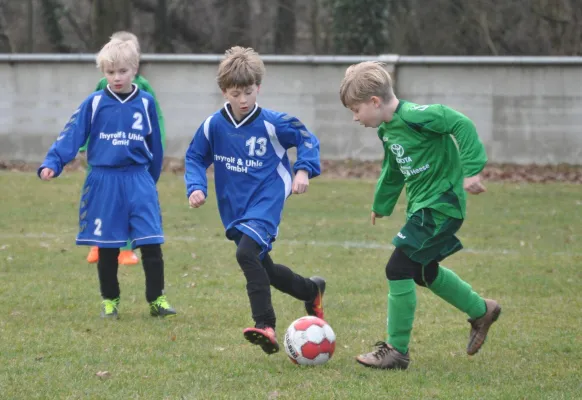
280, 151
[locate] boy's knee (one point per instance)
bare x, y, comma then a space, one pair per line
245, 255
400, 266
426, 275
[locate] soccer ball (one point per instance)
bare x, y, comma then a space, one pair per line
309, 341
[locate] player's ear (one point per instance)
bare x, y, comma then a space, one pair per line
376, 101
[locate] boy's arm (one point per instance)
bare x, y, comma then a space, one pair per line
198, 159
389, 186
145, 86
73, 135
154, 143
291, 132
471, 149
446, 121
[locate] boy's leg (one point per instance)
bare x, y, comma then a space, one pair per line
429, 238
145, 224
310, 290
107, 270
153, 267
259, 292
401, 308
482, 312
258, 282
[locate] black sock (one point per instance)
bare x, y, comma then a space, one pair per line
153, 267
107, 270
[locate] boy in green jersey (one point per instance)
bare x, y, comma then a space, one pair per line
436, 153
126, 254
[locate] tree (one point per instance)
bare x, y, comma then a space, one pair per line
107, 17
162, 43
285, 27
51, 15
360, 26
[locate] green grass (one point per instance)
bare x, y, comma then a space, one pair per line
523, 249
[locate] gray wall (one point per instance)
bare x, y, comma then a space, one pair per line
527, 110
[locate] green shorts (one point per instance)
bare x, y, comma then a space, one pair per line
429, 235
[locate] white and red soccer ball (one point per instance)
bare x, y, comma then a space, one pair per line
309, 341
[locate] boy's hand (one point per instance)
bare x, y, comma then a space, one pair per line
473, 185
47, 174
374, 216
197, 199
300, 182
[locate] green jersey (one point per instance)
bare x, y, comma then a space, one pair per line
430, 149
143, 84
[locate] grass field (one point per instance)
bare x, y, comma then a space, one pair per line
522, 248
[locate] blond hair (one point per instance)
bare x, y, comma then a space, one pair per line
364, 80
241, 67
127, 37
117, 52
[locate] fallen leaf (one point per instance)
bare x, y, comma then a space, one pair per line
103, 374
193, 255
273, 395
173, 337
185, 275
4, 247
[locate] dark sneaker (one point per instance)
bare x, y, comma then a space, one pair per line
384, 357
480, 326
161, 308
264, 337
109, 308
315, 306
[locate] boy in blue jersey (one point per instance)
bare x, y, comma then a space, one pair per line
248, 146
119, 197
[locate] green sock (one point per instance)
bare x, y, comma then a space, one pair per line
457, 292
401, 307
127, 246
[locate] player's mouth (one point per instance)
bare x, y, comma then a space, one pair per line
117, 87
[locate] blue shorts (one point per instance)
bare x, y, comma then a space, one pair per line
119, 203
256, 231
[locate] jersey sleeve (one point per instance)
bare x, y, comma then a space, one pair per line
292, 133
388, 187
471, 149
74, 134
443, 120
154, 142
198, 159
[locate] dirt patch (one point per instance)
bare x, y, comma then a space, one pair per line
371, 169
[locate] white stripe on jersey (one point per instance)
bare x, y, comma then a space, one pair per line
146, 103
207, 127
94, 105
280, 151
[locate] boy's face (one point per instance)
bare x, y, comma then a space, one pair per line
370, 113
242, 100
119, 77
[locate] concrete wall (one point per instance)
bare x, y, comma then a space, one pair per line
526, 110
